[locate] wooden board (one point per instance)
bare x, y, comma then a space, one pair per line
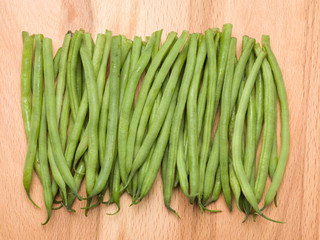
294, 28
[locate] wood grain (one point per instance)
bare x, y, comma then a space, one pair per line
294, 28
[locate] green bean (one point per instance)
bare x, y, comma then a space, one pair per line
211, 169
284, 113
71, 72
163, 172
144, 168
185, 143
91, 166
168, 62
160, 151
274, 154
239, 71
126, 45
87, 39
56, 62
217, 187
238, 130
78, 176
208, 119
116, 186
35, 116
259, 106
64, 120
192, 120
112, 119
136, 49
96, 61
124, 75
52, 118
79, 79
182, 98
101, 75
61, 82
43, 157
181, 164
175, 72
222, 62
126, 106
202, 100
224, 121
103, 122
128, 138
156, 46
250, 151
83, 109
26, 69
57, 177
165, 101
24, 34
268, 128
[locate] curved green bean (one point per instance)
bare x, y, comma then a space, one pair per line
208, 118
112, 119
127, 103
224, 122
71, 72
128, 138
52, 118
284, 113
44, 167
137, 134
61, 82
238, 130
35, 116
268, 128
192, 120
92, 162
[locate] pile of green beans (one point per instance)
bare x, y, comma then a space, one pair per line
199, 115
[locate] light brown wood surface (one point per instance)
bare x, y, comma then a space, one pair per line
294, 28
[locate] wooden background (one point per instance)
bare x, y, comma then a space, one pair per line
295, 37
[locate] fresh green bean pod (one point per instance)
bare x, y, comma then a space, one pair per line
44, 167
90, 76
259, 106
35, 116
208, 118
61, 82
224, 45
127, 104
160, 151
202, 100
284, 113
211, 169
129, 137
71, 72
217, 187
274, 154
52, 118
224, 122
26, 69
136, 49
112, 128
192, 120
168, 62
268, 128
181, 163
79, 174
165, 101
56, 62
250, 151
